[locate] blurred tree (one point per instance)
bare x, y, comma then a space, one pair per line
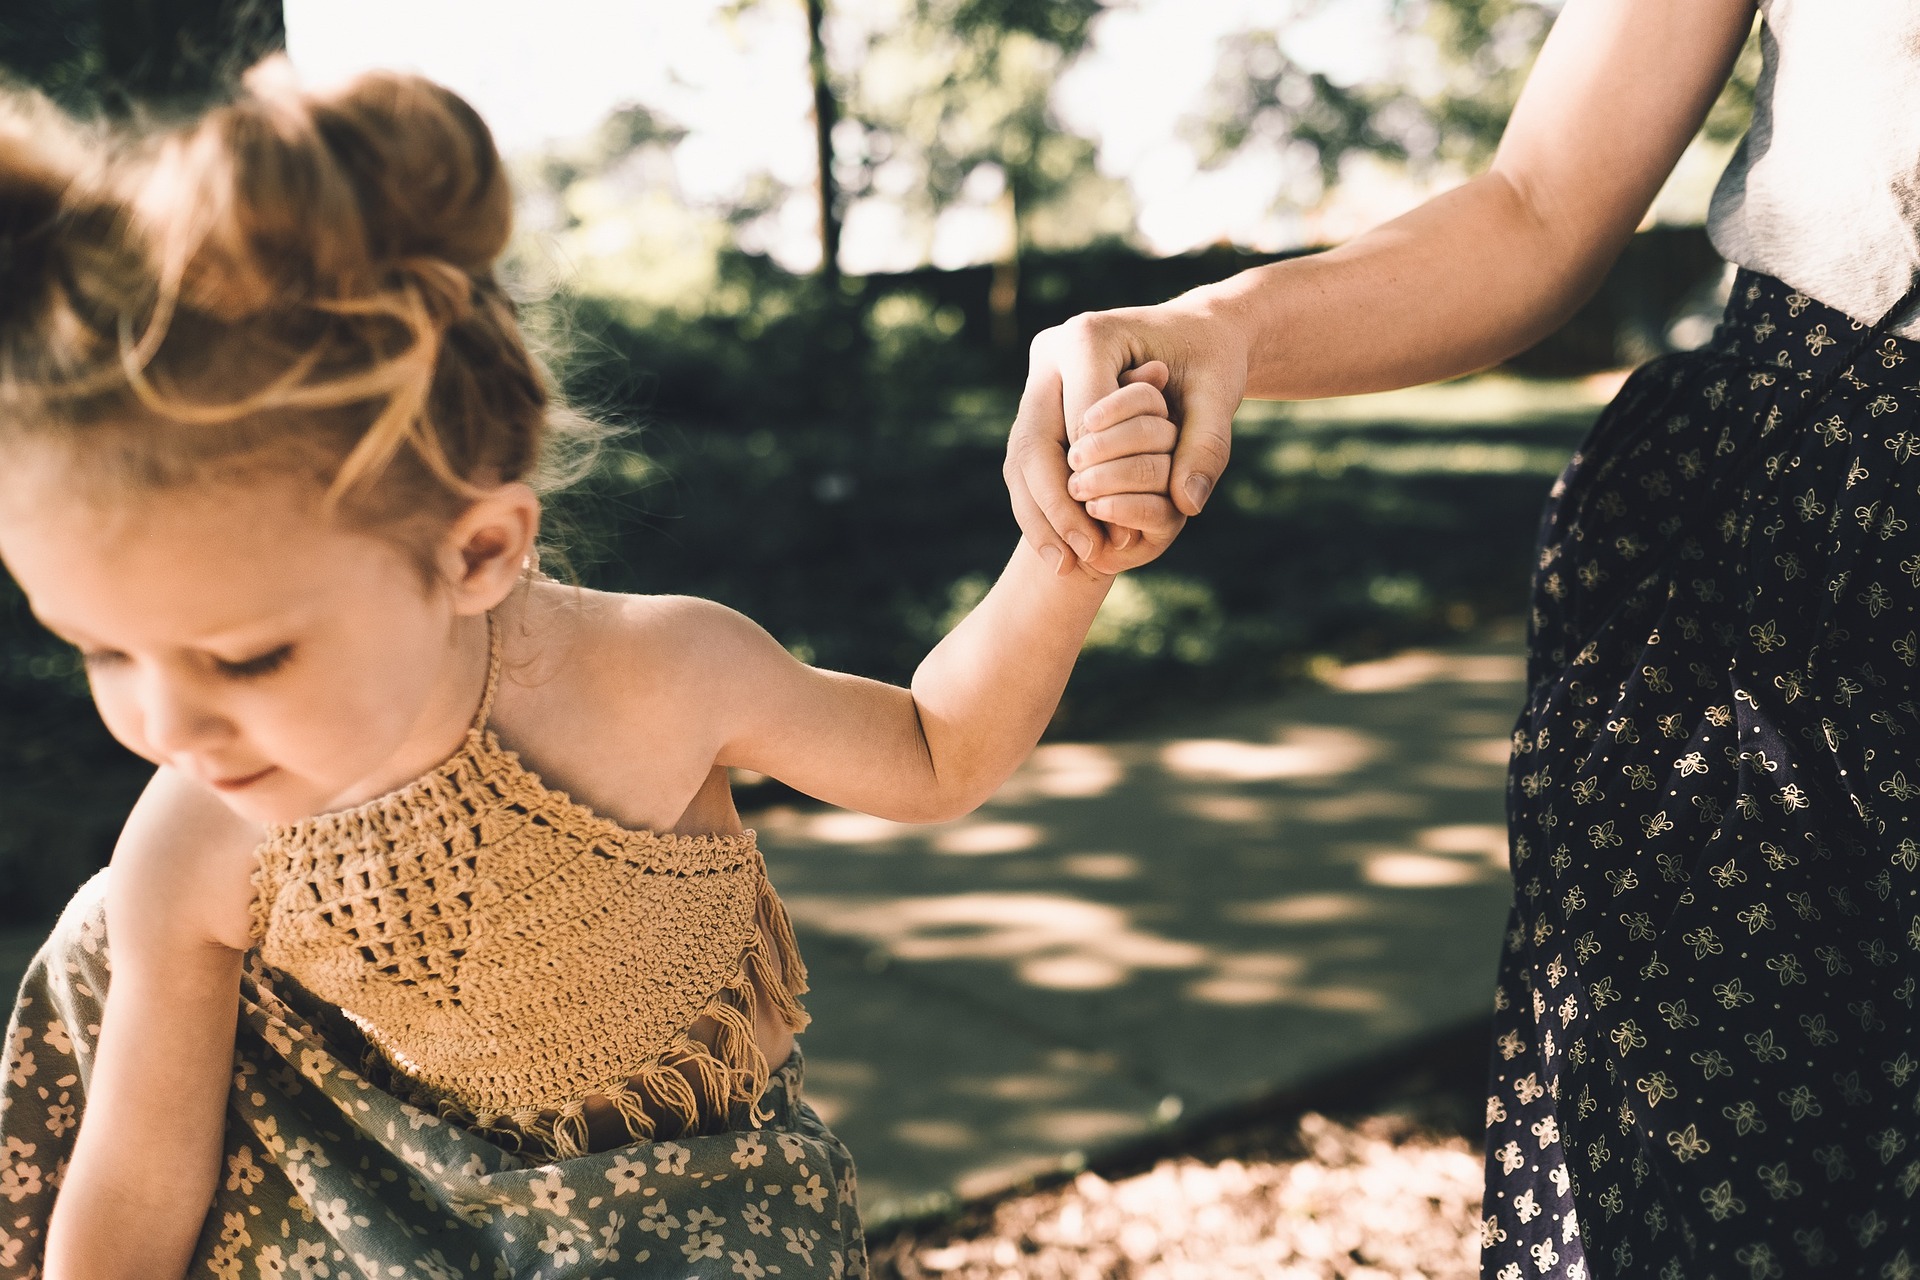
1451, 74
110, 54
954, 103
958, 85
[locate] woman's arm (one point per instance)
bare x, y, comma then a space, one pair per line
1465, 280
147, 1157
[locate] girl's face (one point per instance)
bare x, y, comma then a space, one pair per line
236, 635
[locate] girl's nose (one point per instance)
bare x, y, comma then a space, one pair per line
177, 719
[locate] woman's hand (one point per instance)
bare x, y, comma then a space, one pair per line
1465, 281
1187, 350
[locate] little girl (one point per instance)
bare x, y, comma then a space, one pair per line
437, 948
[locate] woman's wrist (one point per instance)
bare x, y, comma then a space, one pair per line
1231, 320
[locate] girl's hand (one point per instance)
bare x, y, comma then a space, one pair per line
1195, 353
1123, 465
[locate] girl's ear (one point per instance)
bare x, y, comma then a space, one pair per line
487, 549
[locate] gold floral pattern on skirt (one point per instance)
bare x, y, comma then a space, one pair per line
1706, 1061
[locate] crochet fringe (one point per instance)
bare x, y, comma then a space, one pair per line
691, 1084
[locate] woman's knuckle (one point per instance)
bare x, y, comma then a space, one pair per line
1210, 452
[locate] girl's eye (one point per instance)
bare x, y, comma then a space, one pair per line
264, 665
93, 659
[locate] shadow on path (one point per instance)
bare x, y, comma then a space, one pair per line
1134, 931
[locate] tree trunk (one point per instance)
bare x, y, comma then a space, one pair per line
826, 114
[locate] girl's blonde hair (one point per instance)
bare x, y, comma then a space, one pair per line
294, 277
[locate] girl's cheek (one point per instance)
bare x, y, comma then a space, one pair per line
121, 715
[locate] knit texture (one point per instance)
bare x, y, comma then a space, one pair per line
510, 954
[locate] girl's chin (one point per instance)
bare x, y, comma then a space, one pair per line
273, 798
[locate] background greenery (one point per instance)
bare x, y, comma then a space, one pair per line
822, 451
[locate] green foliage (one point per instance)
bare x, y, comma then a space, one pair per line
966, 86
1458, 69
54, 45
92, 55
1064, 23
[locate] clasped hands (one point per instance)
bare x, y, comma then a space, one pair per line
1122, 433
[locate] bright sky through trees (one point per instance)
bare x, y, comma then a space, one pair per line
553, 71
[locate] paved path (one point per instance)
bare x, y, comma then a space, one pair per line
1133, 930
1137, 929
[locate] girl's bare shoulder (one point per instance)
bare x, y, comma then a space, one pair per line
624, 643
182, 870
622, 700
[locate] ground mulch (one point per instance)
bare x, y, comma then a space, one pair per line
1374, 1174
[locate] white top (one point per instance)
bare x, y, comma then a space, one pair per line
1824, 191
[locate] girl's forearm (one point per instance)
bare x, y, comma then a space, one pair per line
986, 692
147, 1158
1465, 281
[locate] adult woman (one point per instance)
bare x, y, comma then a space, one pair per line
1705, 1005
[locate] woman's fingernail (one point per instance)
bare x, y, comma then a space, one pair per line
1051, 554
1123, 539
1081, 544
1198, 487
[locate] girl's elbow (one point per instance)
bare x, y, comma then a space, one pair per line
940, 802
959, 801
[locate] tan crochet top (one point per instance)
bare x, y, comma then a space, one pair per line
511, 954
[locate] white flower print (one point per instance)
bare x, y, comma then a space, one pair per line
550, 1194
561, 1246
801, 1241
656, 1217
626, 1176
702, 1244
747, 1265
811, 1194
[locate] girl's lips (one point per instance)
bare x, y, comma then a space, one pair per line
236, 784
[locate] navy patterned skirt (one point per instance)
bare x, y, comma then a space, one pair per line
1707, 1062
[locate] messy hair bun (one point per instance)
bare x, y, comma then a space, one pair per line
293, 270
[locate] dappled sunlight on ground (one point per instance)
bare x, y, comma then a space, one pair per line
1305, 751
1052, 940
1132, 930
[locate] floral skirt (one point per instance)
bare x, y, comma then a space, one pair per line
1708, 1057
327, 1176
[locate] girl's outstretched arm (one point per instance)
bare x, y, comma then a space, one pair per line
976, 708
978, 703
147, 1156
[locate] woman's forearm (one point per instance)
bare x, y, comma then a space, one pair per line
1460, 283
1484, 271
